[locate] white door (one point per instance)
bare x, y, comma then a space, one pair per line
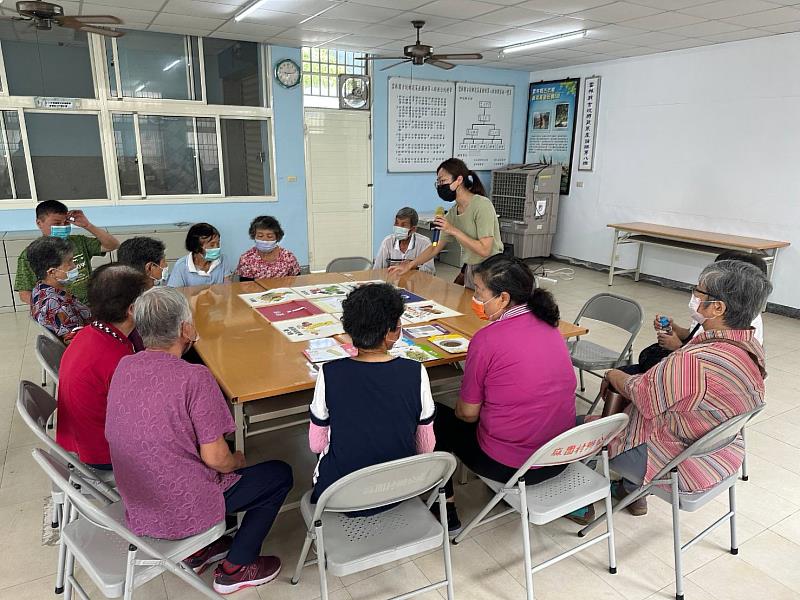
338, 179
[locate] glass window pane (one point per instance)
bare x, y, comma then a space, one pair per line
112, 75
48, 63
197, 82
14, 152
314, 54
168, 155
245, 150
127, 161
306, 54
233, 72
209, 157
323, 54
66, 156
153, 65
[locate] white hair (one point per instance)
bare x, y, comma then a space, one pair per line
159, 314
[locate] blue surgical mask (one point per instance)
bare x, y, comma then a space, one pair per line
212, 254
266, 245
400, 233
72, 275
60, 231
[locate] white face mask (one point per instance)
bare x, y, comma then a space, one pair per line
694, 304
400, 233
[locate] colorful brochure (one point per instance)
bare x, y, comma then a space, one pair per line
270, 297
425, 331
331, 305
409, 297
454, 343
310, 328
327, 354
420, 312
408, 348
323, 290
296, 309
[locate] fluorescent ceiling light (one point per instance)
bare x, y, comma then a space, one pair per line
138, 88
322, 12
174, 63
556, 39
249, 10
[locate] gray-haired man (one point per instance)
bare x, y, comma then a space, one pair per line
404, 244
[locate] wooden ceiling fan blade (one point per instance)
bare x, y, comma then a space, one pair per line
402, 62
474, 56
380, 57
439, 63
92, 29
92, 19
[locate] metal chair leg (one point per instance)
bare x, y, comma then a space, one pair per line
463, 474
732, 524
526, 540
323, 580
594, 404
448, 564
580, 375
612, 553
302, 560
130, 567
676, 536
44, 378
745, 476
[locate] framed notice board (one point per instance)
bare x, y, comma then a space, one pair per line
552, 117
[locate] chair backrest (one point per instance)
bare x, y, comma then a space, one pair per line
54, 467
615, 310
35, 405
387, 483
348, 263
716, 439
49, 351
575, 444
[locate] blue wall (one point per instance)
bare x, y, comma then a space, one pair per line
395, 190
391, 190
231, 218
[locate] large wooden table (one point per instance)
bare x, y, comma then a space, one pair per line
267, 378
690, 240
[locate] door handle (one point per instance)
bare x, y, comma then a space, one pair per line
365, 206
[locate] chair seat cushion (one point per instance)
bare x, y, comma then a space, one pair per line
103, 554
574, 488
587, 355
691, 502
353, 544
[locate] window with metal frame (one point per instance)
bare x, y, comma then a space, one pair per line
322, 66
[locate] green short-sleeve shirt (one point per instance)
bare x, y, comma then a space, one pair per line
84, 249
478, 221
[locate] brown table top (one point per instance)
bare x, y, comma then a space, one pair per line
251, 359
696, 235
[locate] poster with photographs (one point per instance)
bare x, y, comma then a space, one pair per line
552, 118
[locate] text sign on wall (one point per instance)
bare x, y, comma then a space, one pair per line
591, 98
421, 115
482, 135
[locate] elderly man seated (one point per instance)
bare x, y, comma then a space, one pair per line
165, 425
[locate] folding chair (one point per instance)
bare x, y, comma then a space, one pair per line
49, 350
36, 406
716, 439
97, 539
587, 356
346, 545
44, 331
348, 263
577, 486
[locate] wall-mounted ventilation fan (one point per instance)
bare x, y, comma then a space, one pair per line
354, 92
421, 54
43, 15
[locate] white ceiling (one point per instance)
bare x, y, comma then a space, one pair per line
616, 29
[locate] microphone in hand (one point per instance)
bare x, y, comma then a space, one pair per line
435, 231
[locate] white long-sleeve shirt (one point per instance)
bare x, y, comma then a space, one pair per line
389, 253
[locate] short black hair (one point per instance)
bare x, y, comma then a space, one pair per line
505, 273
268, 223
370, 312
47, 253
138, 251
753, 259
112, 290
196, 234
49, 207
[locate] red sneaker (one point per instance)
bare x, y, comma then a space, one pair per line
263, 570
214, 552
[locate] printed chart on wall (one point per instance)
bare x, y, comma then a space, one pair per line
482, 133
421, 115
551, 125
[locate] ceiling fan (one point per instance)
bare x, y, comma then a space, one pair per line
421, 54
43, 15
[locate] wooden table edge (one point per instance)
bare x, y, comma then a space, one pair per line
637, 228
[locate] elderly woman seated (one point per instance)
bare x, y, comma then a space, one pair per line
267, 258
716, 376
52, 305
165, 425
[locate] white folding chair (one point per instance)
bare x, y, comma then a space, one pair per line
35, 405
346, 545
46, 370
665, 486
621, 312
577, 486
49, 350
348, 263
98, 538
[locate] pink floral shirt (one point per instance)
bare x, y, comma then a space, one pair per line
251, 265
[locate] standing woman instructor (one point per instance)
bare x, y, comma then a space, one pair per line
472, 222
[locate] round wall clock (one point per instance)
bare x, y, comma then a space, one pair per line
287, 73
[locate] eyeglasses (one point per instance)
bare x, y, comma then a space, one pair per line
439, 182
698, 290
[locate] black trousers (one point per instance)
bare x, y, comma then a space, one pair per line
460, 438
260, 493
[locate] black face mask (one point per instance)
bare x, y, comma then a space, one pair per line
445, 193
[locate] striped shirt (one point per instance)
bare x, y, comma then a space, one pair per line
685, 396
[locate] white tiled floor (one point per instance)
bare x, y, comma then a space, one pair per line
489, 563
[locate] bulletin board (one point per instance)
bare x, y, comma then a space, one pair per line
421, 116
